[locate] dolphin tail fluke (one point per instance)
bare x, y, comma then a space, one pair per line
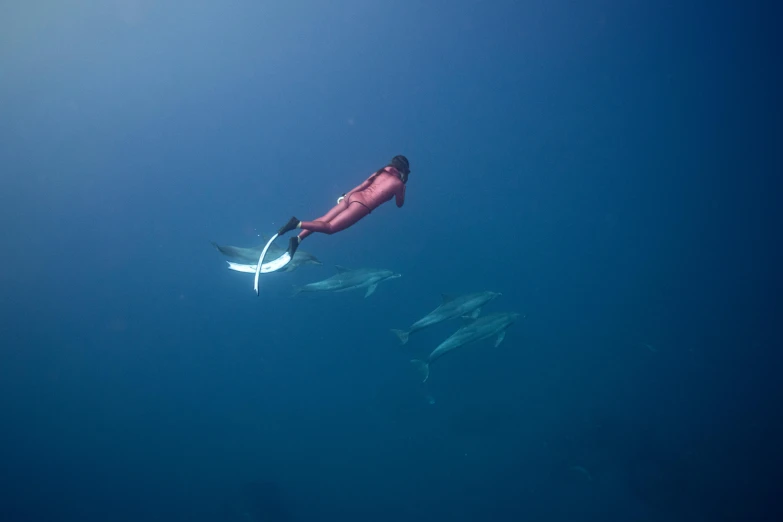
422, 368
402, 335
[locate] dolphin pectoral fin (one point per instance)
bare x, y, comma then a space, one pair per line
474, 314
371, 290
467, 320
422, 368
501, 336
402, 335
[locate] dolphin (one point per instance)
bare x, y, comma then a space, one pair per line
450, 308
472, 330
350, 279
251, 255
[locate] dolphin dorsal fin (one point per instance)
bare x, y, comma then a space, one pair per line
445, 298
341, 269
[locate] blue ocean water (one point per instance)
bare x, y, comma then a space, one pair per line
610, 167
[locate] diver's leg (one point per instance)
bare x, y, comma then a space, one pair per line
340, 220
329, 216
343, 220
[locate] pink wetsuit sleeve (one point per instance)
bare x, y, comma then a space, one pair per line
400, 195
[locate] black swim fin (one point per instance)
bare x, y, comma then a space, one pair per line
288, 227
293, 244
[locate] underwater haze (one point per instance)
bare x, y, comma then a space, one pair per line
608, 167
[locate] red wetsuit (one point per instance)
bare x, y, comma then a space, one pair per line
359, 202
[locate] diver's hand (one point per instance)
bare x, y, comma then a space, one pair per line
340, 199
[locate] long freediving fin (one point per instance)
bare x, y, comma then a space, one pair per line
272, 266
239, 267
260, 262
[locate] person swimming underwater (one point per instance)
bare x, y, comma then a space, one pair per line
383, 185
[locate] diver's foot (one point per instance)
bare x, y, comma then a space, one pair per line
293, 244
288, 227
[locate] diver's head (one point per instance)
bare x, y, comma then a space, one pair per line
401, 163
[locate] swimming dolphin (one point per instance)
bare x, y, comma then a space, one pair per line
471, 331
349, 279
251, 255
450, 308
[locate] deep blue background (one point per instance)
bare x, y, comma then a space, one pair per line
611, 167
